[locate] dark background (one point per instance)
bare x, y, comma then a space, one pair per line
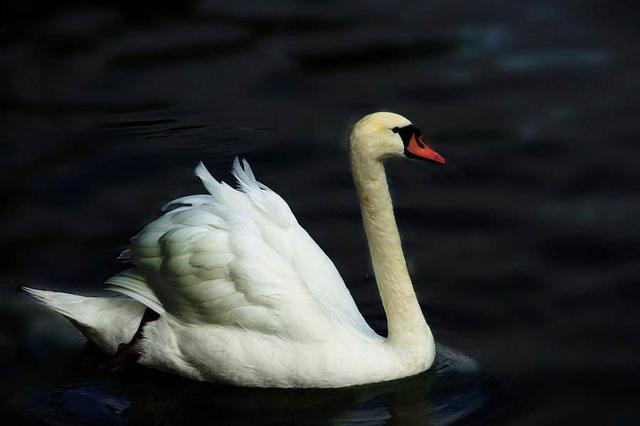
524, 249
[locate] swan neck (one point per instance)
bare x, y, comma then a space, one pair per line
405, 321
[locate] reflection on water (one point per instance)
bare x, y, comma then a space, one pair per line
60, 384
524, 249
450, 391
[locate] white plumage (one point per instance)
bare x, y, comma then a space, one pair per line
245, 296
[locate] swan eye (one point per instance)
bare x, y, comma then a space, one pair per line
406, 132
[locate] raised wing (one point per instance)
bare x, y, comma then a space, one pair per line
236, 257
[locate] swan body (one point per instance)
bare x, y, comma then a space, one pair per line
246, 297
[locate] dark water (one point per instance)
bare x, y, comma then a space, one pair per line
524, 249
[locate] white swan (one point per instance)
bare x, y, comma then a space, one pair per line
243, 295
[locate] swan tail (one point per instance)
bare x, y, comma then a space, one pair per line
105, 321
65, 304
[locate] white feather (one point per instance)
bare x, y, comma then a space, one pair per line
132, 283
245, 295
106, 321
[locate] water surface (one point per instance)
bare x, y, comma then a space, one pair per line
524, 249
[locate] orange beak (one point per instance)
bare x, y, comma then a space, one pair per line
419, 149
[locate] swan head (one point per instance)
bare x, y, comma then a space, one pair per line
384, 134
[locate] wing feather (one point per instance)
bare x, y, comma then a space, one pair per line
237, 258
133, 283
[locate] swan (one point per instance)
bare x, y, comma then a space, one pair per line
228, 287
